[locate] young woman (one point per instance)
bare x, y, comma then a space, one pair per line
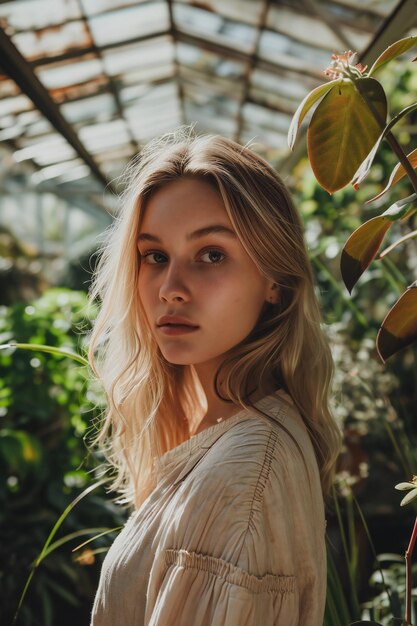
217, 373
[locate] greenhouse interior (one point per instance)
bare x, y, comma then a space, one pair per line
85, 85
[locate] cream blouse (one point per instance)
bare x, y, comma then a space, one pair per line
232, 535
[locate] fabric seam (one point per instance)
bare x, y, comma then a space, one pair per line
230, 573
259, 490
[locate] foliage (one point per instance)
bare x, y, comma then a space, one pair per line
20, 277
344, 135
45, 413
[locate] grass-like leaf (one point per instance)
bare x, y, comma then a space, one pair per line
52, 534
49, 349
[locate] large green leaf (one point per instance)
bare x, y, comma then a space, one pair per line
393, 51
399, 328
304, 107
361, 248
343, 131
363, 244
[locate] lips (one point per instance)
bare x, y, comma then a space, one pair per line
175, 320
185, 325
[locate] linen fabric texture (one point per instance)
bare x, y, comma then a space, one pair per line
232, 535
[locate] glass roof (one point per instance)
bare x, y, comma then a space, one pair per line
85, 83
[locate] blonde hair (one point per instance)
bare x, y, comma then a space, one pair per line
150, 400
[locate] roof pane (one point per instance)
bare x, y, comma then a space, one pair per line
211, 63
75, 167
157, 51
98, 137
15, 104
37, 14
255, 114
288, 53
379, 8
97, 108
215, 103
45, 149
265, 137
155, 108
128, 23
214, 28
285, 85
70, 73
240, 10
7, 86
146, 75
36, 45
206, 124
92, 7
211, 85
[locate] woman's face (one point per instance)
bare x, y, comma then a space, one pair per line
208, 279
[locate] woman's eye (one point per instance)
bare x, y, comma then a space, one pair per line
215, 253
146, 255
212, 252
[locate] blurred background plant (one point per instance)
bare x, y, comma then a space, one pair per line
47, 406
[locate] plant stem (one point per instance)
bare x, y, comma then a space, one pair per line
402, 157
408, 574
396, 278
371, 544
360, 318
354, 603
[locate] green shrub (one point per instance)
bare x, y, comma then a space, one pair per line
48, 405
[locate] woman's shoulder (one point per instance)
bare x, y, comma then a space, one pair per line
274, 446
247, 479
242, 451
275, 429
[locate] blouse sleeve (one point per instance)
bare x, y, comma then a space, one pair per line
203, 590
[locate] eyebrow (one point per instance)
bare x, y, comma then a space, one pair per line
201, 232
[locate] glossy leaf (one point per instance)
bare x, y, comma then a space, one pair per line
304, 107
393, 51
397, 174
363, 244
399, 328
364, 168
361, 247
342, 131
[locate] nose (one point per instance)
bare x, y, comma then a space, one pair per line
173, 287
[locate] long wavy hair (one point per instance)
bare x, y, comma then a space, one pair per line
151, 402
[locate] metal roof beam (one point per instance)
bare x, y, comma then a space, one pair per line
178, 35
180, 91
249, 67
396, 25
16, 66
